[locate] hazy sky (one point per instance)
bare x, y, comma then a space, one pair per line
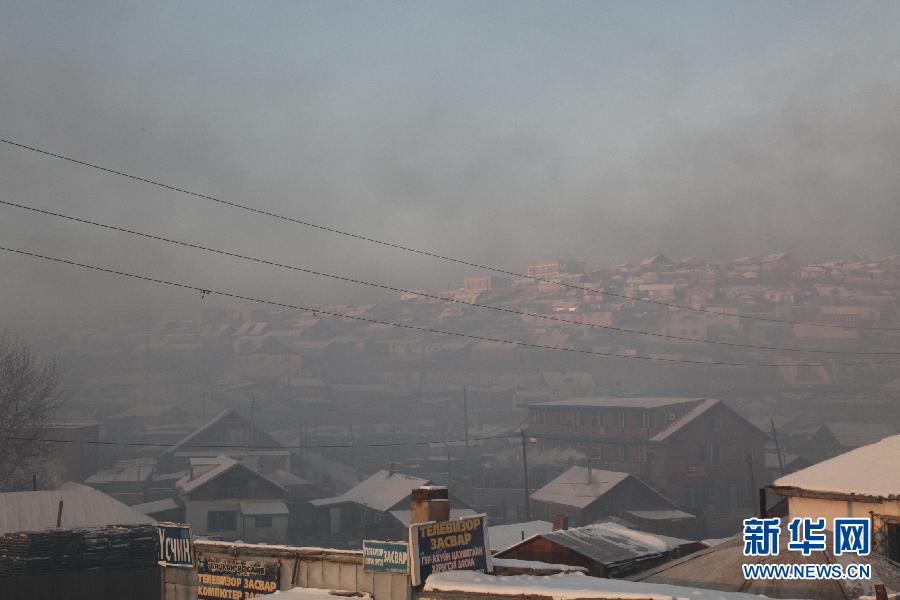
500, 132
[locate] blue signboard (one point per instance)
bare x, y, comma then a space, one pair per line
385, 557
175, 549
449, 546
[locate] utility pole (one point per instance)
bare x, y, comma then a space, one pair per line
777, 447
252, 407
466, 436
525, 473
752, 478
447, 447
147, 367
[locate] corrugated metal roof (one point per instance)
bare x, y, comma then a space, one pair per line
609, 543
83, 506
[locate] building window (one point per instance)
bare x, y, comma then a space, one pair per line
262, 521
717, 422
892, 541
709, 454
645, 419
623, 453
621, 419
221, 520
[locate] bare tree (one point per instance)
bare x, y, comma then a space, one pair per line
29, 396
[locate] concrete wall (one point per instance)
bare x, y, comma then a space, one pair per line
823, 507
300, 567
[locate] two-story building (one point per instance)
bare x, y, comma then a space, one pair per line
696, 451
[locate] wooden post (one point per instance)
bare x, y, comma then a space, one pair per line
59, 514
763, 504
466, 436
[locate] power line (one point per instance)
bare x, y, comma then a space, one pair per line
249, 447
437, 297
430, 254
318, 311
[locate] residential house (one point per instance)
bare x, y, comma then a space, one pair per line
554, 268
832, 439
585, 495
376, 508
720, 568
604, 549
128, 481
485, 283
273, 358
226, 499
697, 452
231, 434
864, 482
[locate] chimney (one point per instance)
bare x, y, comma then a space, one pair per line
429, 503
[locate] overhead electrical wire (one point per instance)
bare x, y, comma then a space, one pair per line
437, 297
207, 291
509, 436
429, 253
252, 447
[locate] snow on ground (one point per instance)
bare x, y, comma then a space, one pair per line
570, 586
299, 593
513, 563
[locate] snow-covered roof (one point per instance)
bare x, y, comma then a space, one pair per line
579, 487
719, 567
535, 565
253, 508
382, 491
156, 506
609, 543
869, 470
225, 464
83, 506
567, 586
503, 536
